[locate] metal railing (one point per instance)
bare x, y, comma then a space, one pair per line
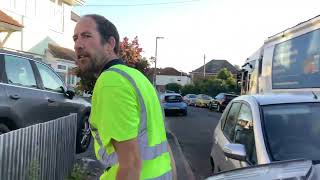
44, 151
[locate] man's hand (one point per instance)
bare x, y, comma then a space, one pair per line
129, 159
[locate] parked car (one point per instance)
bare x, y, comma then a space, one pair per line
203, 100
31, 92
259, 129
221, 101
190, 99
292, 169
173, 103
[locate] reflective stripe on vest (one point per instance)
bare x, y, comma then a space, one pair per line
147, 152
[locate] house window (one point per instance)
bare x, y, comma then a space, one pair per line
31, 8
56, 16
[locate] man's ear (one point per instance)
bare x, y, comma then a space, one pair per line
111, 42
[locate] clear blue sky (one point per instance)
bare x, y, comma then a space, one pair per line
221, 29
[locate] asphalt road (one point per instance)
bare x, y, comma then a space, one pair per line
194, 133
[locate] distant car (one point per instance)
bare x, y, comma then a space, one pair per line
259, 129
203, 100
221, 101
190, 99
31, 92
173, 103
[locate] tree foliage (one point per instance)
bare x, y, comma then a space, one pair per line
223, 82
174, 87
130, 51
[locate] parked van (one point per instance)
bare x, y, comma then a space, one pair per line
287, 62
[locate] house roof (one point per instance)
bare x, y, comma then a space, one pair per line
214, 66
61, 52
8, 20
167, 71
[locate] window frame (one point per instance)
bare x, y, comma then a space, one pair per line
2, 69
5, 76
243, 103
223, 124
41, 80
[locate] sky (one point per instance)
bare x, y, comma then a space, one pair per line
219, 29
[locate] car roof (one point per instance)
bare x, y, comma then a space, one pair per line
229, 94
24, 55
171, 94
281, 98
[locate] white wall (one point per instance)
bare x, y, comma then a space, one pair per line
44, 22
165, 79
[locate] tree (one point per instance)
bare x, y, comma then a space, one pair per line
143, 65
130, 51
189, 89
174, 87
224, 74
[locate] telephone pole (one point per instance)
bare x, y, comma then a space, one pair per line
204, 65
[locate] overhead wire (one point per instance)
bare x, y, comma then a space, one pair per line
143, 4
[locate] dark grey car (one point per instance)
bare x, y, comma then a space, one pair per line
31, 92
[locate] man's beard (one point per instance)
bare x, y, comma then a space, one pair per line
89, 76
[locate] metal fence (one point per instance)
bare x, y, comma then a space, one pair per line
41, 152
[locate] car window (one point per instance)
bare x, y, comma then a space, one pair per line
231, 120
192, 96
292, 130
50, 80
219, 96
206, 97
244, 133
173, 98
19, 71
230, 97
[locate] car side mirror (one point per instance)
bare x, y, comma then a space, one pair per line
235, 151
69, 92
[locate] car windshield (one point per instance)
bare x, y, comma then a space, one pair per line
292, 131
230, 97
206, 97
192, 96
173, 98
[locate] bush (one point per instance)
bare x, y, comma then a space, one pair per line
174, 87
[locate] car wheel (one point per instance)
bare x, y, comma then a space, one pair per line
83, 136
3, 129
185, 113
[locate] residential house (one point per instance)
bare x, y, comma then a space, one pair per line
212, 68
42, 28
170, 75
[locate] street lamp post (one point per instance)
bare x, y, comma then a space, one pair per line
155, 62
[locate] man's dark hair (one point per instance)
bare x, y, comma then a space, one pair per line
106, 29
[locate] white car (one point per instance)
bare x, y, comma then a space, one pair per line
259, 129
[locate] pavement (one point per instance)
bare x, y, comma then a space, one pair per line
88, 168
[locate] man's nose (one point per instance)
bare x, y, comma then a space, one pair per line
78, 44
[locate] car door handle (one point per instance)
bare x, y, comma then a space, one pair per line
14, 96
51, 100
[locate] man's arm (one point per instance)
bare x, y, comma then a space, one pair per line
129, 159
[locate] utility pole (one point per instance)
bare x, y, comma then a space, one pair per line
155, 62
204, 65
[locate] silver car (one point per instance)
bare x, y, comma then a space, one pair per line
259, 129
